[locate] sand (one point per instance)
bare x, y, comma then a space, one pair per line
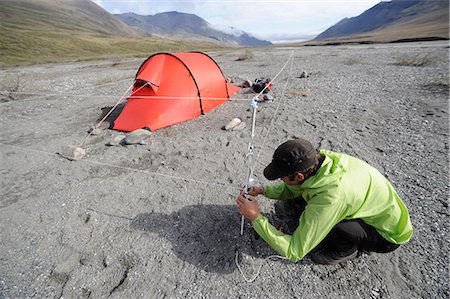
159, 220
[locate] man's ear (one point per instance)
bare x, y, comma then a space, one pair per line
300, 176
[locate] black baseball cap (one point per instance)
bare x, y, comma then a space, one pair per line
292, 156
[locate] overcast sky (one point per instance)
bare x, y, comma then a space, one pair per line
271, 20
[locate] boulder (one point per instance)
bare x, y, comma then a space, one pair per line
117, 140
246, 84
239, 127
95, 131
304, 74
72, 152
137, 136
233, 123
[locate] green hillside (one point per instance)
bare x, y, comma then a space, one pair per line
41, 31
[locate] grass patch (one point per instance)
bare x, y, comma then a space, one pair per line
8, 87
248, 54
414, 60
352, 61
439, 85
299, 92
107, 80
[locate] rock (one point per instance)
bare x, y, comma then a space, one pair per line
304, 74
239, 127
117, 140
230, 79
84, 216
246, 84
375, 293
268, 97
72, 152
137, 136
233, 123
95, 131
104, 125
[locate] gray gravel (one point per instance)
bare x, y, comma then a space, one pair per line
158, 220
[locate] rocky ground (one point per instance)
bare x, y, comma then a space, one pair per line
159, 220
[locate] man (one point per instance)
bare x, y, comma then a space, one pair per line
350, 206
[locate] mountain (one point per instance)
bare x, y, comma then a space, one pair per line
183, 24
395, 20
72, 15
40, 31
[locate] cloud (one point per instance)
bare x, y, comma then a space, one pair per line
265, 18
292, 37
227, 29
98, 2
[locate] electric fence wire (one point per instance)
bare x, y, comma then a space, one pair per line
249, 161
250, 171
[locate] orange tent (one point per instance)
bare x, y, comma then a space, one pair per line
172, 88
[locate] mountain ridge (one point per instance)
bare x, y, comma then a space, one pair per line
41, 31
82, 15
394, 20
184, 24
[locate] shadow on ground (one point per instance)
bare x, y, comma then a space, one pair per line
113, 115
207, 236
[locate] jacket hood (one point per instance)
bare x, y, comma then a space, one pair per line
332, 169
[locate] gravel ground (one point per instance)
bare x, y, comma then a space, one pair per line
159, 221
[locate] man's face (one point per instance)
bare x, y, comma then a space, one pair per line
293, 179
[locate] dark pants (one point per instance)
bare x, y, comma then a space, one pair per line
344, 237
348, 235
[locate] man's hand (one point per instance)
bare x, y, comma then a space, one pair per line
248, 208
255, 190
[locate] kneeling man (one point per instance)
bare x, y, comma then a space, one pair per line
350, 206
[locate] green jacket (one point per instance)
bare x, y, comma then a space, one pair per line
343, 188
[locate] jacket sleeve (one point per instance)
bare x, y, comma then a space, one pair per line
278, 191
322, 213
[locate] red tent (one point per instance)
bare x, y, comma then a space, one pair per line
172, 88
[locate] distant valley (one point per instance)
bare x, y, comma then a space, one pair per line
188, 25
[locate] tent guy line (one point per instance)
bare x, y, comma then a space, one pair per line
110, 111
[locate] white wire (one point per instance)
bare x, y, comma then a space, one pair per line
196, 98
219, 184
249, 160
153, 97
62, 94
273, 116
249, 157
268, 84
260, 266
42, 95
